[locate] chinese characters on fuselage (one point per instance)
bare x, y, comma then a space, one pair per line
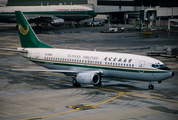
114, 59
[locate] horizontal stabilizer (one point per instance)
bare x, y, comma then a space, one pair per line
14, 50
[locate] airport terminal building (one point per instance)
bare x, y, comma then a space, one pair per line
129, 11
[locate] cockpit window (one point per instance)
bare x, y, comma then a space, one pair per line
161, 66
158, 66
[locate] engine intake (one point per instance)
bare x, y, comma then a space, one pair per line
88, 78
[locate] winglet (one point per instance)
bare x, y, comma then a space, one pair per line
28, 37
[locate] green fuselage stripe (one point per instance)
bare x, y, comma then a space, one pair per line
82, 65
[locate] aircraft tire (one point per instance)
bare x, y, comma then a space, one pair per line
151, 87
75, 83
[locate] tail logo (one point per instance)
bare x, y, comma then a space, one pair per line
24, 32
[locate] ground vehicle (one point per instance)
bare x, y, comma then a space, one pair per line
115, 28
175, 25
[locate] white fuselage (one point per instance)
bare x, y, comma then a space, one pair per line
43, 8
117, 65
66, 12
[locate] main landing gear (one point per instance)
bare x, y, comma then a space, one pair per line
75, 83
150, 86
77, 24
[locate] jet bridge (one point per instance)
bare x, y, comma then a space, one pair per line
171, 20
147, 16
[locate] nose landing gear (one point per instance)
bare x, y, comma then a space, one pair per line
150, 86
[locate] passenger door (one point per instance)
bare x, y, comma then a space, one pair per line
141, 66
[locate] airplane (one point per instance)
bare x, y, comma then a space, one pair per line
87, 67
54, 15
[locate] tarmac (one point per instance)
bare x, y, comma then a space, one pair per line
51, 96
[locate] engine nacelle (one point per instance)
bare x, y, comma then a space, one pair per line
57, 22
88, 78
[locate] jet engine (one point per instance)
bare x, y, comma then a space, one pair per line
88, 78
57, 22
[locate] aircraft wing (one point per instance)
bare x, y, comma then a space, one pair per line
67, 72
42, 70
14, 50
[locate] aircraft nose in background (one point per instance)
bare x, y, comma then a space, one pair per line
173, 74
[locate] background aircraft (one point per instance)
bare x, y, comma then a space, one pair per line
54, 15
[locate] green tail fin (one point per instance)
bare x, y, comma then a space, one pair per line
28, 38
